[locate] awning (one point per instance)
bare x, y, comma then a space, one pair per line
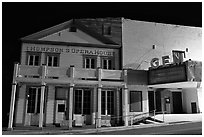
177, 85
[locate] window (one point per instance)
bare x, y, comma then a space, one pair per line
107, 102
33, 96
135, 101
52, 60
106, 29
90, 62
33, 59
106, 63
72, 29
82, 101
61, 107
61, 93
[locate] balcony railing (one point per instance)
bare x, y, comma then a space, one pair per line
62, 73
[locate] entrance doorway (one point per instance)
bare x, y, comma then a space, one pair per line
193, 107
151, 98
33, 106
177, 102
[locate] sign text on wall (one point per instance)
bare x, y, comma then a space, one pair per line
70, 50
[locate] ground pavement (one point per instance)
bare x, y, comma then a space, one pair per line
168, 119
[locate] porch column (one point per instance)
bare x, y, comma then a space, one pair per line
125, 105
125, 98
99, 96
99, 107
42, 105
13, 93
71, 90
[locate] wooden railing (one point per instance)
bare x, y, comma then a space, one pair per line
67, 72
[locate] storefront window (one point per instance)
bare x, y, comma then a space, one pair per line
107, 102
135, 101
82, 101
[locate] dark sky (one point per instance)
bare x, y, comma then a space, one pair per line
21, 19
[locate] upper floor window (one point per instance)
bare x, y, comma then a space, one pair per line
106, 29
52, 60
33, 58
90, 62
107, 63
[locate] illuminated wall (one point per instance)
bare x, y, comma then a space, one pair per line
139, 38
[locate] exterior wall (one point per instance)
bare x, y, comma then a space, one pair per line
70, 55
189, 95
138, 38
66, 36
20, 106
50, 107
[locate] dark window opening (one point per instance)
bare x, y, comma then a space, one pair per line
106, 29
135, 101
61, 107
72, 29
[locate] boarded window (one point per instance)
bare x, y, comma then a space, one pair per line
61, 93
135, 101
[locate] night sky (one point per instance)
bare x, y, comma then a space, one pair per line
21, 19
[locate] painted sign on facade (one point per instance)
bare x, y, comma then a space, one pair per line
73, 50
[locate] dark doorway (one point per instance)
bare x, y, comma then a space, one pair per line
158, 100
177, 102
151, 100
193, 107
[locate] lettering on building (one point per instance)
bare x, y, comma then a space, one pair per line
98, 52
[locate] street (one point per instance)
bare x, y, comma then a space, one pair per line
177, 129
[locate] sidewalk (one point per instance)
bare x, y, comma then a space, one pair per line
169, 120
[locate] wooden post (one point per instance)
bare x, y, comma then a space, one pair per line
42, 105
99, 107
99, 96
71, 90
125, 98
42, 97
13, 93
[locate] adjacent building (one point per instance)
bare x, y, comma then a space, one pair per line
105, 72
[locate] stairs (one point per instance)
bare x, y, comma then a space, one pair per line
143, 118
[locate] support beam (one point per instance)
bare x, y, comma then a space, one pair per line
12, 104
42, 97
99, 107
125, 105
13, 94
71, 90
125, 98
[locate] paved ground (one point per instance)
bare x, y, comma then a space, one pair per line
169, 119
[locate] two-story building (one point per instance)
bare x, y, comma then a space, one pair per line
78, 72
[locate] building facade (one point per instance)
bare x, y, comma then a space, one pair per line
75, 74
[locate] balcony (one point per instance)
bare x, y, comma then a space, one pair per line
63, 75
